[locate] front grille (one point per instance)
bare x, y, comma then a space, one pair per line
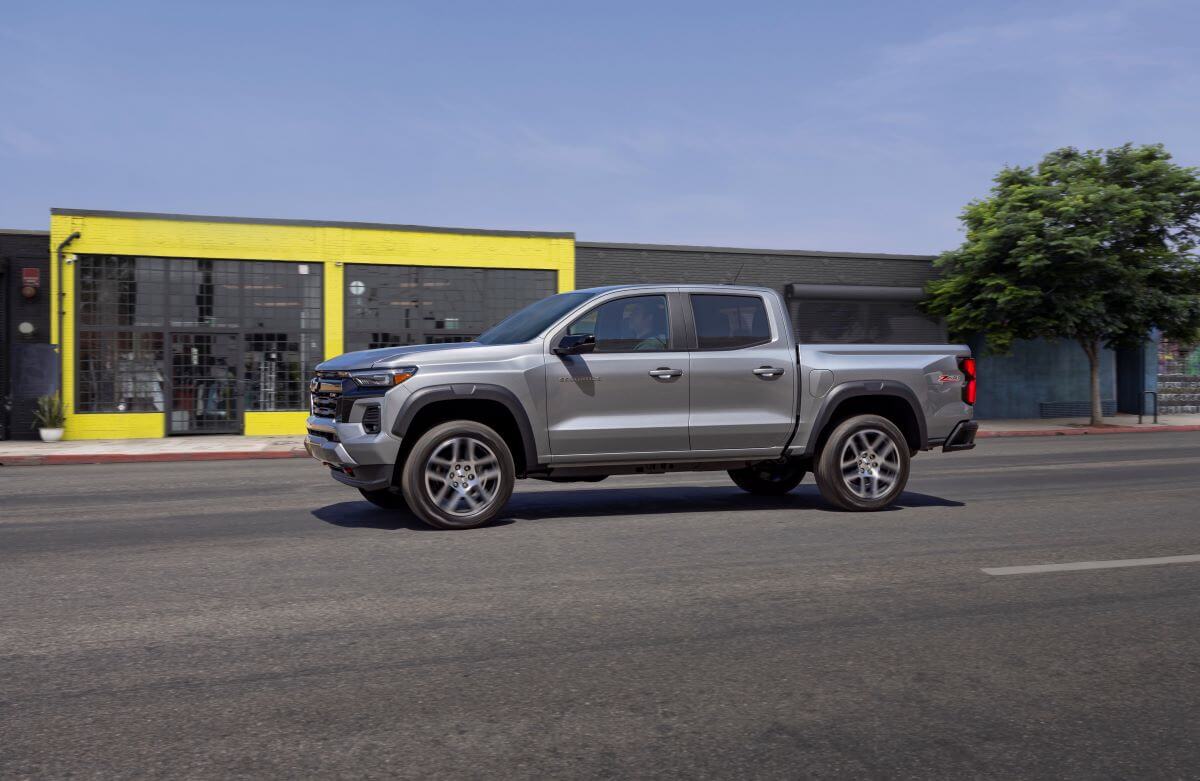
323, 434
370, 419
324, 406
326, 398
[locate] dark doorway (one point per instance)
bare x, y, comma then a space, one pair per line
203, 384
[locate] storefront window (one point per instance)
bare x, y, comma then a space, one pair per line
120, 371
400, 305
140, 345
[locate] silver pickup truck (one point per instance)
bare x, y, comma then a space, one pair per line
635, 379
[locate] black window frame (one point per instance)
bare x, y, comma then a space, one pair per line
164, 329
693, 335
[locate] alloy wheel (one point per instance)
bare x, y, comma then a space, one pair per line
462, 476
870, 463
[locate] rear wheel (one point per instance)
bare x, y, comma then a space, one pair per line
864, 464
387, 498
458, 475
769, 479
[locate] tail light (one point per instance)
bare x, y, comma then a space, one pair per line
967, 367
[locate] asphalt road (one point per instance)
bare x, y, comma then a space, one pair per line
253, 619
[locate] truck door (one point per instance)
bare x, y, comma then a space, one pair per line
743, 389
628, 396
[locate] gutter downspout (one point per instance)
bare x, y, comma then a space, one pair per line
62, 307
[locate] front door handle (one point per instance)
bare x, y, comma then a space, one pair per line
663, 372
768, 371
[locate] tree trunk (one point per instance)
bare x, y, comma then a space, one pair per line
1092, 349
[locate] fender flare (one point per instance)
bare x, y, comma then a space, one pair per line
849, 390
433, 394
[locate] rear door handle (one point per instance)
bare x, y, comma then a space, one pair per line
662, 372
768, 371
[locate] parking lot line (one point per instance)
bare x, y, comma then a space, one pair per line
1075, 566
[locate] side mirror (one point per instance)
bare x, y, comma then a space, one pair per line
575, 344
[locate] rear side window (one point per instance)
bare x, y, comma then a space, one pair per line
729, 322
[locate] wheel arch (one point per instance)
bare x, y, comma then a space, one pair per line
887, 398
491, 405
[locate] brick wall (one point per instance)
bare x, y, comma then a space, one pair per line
19, 250
621, 264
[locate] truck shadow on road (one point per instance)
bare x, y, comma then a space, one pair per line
601, 502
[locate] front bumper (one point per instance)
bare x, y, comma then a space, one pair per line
353, 456
962, 437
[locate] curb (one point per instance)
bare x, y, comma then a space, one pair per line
133, 458
1082, 431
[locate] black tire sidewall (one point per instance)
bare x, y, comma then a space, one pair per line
386, 498
750, 481
828, 467
412, 480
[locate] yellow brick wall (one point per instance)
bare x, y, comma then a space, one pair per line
331, 246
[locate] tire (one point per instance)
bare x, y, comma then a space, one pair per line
387, 498
767, 479
444, 457
863, 465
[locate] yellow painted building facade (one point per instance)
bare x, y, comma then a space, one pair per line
332, 246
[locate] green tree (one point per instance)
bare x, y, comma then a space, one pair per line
1096, 246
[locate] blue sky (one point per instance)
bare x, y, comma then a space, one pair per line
829, 126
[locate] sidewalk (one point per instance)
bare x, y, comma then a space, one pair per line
211, 447
1116, 424
232, 447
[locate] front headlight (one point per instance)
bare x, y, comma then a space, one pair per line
382, 378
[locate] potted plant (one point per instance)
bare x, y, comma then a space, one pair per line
48, 418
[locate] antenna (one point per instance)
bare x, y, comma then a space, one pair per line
738, 274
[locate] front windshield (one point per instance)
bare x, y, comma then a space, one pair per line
527, 323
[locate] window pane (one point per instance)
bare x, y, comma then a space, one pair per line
400, 305
270, 313
636, 324
276, 369
729, 322
120, 291
120, 371
204, 293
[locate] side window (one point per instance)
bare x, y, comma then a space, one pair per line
637, 324
729, 322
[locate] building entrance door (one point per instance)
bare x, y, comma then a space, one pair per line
205, 391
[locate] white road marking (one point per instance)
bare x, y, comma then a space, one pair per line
1073, 465
1075, 566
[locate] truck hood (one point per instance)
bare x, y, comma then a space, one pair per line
400, 356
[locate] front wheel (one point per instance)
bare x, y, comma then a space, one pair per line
864, 464
768, 479
458, 475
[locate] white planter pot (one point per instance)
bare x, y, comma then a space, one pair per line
50, 434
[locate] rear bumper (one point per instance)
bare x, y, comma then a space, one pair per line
354, 457
962, 437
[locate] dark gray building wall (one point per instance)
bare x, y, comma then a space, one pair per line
817, 315
18, 250
622, 264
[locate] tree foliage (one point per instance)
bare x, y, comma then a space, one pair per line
1096, 246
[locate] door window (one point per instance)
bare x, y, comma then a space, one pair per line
730, 322
636, 324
